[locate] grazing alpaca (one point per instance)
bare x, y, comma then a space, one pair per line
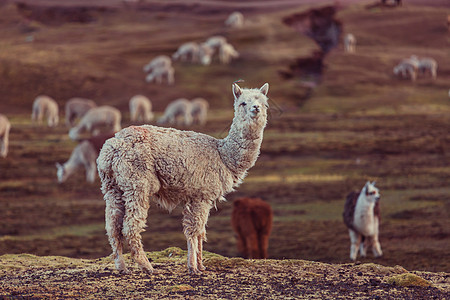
161, 61
83, 155
428, 65
216, 42
362, 217
178, 112
235, 20
350, 43
96, 118
5, 127
140, 109
172, 167
158, 75
406, 69
199, 110
44, 105
251, 219
77, 108
187, 52
226, 53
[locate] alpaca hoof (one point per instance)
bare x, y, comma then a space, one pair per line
124, 271
201, 268
195, 271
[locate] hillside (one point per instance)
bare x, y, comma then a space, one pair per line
325, 138
60, 277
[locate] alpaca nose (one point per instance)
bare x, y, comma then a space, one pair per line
255, 109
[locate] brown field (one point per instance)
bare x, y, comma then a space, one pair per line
360, 123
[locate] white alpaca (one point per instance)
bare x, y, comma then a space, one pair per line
95, 119
178, 112
216, 42
5, 127
362, 217
173, 167
428, 65
226, 53
77, 108
140, 109
350, 43
199, 110
159, 75
406, 69
44, 105
83, 155
161, 61
187, 52
235, 20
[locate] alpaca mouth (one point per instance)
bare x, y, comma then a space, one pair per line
254, 112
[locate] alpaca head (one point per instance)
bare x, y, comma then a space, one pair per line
371, 193
251, 105
61, 173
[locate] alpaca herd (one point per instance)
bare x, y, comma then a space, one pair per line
407, 68
413, 66
160, 69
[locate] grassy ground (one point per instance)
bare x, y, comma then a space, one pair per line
359, 124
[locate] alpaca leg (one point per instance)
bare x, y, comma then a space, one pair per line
263, 245
376, 247
242, 246
200, 265
5, 142
135, 219
252, 244
195, 216
355, 240
365, 244
117, 127
91, 171
114, 213
3, 149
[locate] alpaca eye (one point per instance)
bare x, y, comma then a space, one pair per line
372, 193
243, 104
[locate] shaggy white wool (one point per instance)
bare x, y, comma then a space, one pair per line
172, 167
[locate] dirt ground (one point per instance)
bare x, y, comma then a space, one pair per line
55, 277
358, 123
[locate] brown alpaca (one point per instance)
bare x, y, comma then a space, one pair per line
252, 221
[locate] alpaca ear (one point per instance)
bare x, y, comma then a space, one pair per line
265, 89
237, 91
58, 165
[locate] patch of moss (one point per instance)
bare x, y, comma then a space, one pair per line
379, 269
408, 279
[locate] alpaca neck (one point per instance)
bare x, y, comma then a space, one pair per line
364, 215
240, 149
71, 165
